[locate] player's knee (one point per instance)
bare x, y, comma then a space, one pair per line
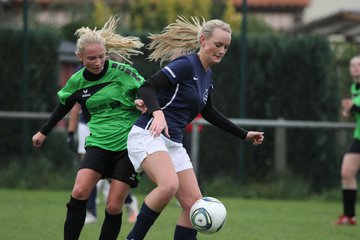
187, 203
169, 189
113, 208
80, 193
347, 175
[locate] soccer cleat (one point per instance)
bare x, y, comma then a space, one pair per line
132, 210
90, 218
132, 217
345, 220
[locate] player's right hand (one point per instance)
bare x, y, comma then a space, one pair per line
38, 139
159, 124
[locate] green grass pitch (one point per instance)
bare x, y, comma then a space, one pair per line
32, 215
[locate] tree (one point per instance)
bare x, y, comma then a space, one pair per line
153, 15
232, 17
101, 12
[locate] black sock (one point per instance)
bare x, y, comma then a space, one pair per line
183, 233
349, 201
75, 218
111, 226
145, 220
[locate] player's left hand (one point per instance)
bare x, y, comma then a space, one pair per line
347, 104
255, 137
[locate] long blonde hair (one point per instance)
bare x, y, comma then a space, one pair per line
182, 37
124, 47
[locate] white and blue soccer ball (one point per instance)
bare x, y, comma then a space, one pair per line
208, 215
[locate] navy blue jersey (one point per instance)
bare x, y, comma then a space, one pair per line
191, 86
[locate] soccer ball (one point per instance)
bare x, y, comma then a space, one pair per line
208, 215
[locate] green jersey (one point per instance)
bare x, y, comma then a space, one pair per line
355, 93
107, 103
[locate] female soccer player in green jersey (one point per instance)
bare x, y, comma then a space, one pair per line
351, 160
106, 91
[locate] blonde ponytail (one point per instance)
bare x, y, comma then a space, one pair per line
124, 47
181, 37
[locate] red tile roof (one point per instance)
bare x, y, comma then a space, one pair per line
273, 3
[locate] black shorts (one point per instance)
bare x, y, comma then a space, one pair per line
114, 165
354, 146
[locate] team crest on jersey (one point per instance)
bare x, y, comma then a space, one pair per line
205, 95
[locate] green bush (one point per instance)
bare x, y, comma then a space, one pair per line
53, 166
40, 86
288, 78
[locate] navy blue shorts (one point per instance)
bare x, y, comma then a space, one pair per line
354, 146
114, 165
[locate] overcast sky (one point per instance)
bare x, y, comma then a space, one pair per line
321, 8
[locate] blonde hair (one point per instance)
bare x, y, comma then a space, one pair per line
124, 47
182, 37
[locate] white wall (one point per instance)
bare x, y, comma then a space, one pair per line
322, 8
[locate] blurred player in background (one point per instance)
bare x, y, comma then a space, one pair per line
351, 160
77, 124
106, 91
174, 96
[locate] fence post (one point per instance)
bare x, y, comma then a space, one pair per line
195, 148
280, 150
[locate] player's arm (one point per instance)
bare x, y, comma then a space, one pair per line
59, 112
216, 118
147, 93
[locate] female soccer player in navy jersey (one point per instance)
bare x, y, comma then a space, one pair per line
173, 97
106, 91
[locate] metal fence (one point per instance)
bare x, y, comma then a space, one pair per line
280, 126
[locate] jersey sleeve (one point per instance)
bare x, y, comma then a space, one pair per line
131, 80
135, 80
65, 93
177, 69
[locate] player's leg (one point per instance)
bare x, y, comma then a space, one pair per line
123, 178
76, 208
187, 194
349, 169
83, 131
167, 184
113, 212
